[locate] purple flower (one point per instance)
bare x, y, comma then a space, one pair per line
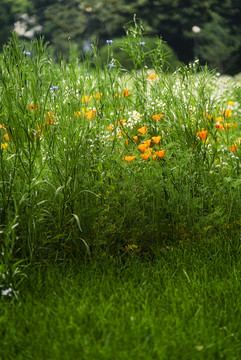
141, 43
26, 53
54, 88
111, 65
109, 41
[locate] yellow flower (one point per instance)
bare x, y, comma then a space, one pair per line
219, 118
227, 126
156, 139
143, 130
3, 146
110, 127
228, 113
129, 158
131, 247
157, 116
152, 76
77, 113
2, 127
90, 114
86, 98
230, 103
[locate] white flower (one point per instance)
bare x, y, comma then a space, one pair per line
7, 292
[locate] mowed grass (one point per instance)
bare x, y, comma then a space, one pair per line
184, 305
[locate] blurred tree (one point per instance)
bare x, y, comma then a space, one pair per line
9, 12
217, 45
106, 19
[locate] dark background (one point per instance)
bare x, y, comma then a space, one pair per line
218, 43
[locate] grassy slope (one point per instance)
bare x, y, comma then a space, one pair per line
186, 305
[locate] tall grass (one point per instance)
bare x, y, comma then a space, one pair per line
74, 179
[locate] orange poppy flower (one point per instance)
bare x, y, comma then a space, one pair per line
142, 147
152, 76
202, 134
156, 139
126, 140
2, 127
157, 116
125, 92
219, 126
32, 108
219, 119
6, 137
90, 114
160, 153
110, 127
145, 156
228, 113
233, 148
143, 130
97, 96
123, 121
135, 138
49, 122
147, 142
129, 158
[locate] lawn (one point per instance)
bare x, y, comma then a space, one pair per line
185, 305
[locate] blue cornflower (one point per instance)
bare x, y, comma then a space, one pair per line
111, 65
141, 43
109, 41
54, 88
26, 53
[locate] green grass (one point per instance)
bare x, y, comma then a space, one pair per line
106, 258
184, 305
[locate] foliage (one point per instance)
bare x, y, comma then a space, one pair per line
119, 50
215, 39
96, 160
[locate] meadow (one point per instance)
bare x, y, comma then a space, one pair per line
119, 206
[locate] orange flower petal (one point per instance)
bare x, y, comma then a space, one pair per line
143, 130
129, 158
160, 153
